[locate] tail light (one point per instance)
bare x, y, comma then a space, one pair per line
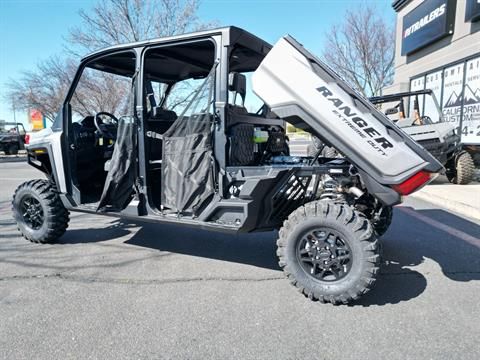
27, 139
414, 183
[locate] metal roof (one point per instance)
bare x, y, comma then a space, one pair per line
230, 33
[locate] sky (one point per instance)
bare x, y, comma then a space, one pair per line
33, 30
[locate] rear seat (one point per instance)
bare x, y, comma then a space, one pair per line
158, 122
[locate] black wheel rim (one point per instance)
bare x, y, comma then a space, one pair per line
324, 255
32, 212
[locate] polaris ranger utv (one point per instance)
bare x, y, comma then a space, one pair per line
437, 136
195, 156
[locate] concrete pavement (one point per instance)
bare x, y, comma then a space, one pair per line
115, 289
462, 199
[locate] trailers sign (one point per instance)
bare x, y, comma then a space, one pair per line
428, 22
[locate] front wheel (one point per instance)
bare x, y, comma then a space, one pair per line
39, 212
463, 171
329, 252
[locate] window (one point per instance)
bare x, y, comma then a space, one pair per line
452, 93
471, 103
245, 60
434, 83
99, 91
173, 73
416, 84
459, 99
182, 94
252, 102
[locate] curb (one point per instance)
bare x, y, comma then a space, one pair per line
458, 207
13, 159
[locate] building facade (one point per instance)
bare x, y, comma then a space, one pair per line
437, 47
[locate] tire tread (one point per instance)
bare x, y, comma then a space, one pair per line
57, 216
360, 226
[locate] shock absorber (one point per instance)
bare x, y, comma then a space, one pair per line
330, 188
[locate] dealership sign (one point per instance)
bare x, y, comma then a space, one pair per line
472, 10
37, 120
428, 22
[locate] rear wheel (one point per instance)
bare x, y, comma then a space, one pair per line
463, 171
39, 212
329, 252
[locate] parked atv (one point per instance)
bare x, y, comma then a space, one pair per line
12, 140
195, 156
437, 136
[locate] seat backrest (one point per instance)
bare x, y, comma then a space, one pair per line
237, 83
159, 121
159, 114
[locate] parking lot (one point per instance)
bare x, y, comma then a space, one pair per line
115, 289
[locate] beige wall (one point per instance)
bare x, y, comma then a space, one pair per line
464, 42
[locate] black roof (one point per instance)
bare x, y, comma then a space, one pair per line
189, 57
231, 35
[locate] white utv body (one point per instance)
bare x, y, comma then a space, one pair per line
300, 88
218, 166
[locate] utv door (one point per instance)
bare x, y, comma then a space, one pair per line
101, 132
179, 124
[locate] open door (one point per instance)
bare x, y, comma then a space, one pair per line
102, 132
179, 83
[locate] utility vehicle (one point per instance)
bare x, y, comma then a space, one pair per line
13, 139
188, 149
439, 137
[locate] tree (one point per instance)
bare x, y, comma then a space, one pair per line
121, 21
362, 49
43, 88
108, 23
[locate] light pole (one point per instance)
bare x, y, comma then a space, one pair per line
14, 112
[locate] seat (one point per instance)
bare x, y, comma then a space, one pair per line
158, 121
237, 83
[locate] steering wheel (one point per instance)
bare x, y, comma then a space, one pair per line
108, 131
426, 120
423, 120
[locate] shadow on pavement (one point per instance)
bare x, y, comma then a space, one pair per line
408, 242
117, 228
252, 249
